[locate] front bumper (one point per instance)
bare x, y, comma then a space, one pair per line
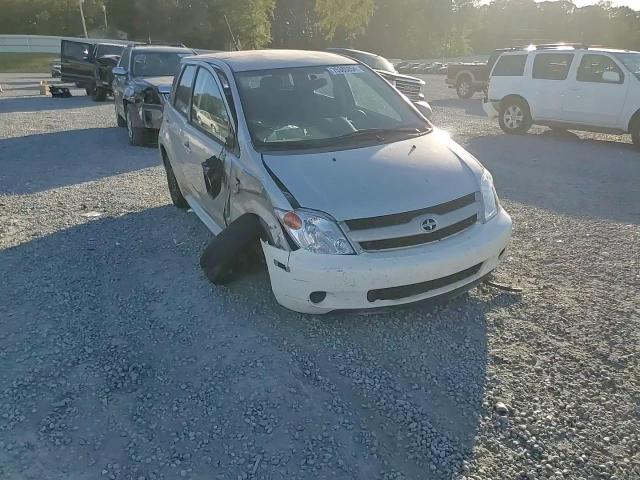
490, 108
366, 281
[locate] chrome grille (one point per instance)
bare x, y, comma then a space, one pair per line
409, 88
405, 230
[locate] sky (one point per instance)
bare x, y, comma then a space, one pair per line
635, 4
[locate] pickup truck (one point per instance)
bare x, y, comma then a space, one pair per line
89, 65
469, 78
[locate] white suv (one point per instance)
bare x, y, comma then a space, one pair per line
567, 87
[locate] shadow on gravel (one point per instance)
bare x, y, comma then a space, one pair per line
111, 334
42, 103
563, 173
41, 162
471, 106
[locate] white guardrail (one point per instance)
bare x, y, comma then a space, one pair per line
39, 43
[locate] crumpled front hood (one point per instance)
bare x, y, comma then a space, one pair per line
376, 180
155, 81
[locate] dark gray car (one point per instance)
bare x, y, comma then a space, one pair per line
142, 83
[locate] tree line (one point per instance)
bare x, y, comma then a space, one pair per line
394, 28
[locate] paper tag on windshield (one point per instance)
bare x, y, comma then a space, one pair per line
345, 69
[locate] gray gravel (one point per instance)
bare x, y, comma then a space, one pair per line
119, 361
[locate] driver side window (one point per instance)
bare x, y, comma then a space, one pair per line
366, 98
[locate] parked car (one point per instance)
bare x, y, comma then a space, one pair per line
55, 67
356, 200
409, 86
89, 65
407, 67
469, 78
434, 67
141, 86
567, 87
401, 65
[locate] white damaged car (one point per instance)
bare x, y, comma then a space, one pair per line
355, 199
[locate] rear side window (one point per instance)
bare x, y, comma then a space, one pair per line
510, 66
183, 92
552, 66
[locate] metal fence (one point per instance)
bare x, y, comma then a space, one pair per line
38, 43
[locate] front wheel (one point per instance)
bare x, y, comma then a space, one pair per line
99, 94
89, 91
464, 89
515, 117
137, 136
635, 134
121, 122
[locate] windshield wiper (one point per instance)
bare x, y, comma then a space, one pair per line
380, 133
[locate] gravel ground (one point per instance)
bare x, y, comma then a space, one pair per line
120, 361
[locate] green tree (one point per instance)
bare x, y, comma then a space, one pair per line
349, 17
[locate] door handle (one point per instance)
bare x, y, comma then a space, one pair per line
574, 89
186, 144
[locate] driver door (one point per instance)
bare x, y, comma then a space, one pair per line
76, 62
597, 94
210, 140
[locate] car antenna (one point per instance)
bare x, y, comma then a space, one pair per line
235, 42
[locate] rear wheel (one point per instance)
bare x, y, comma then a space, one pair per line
174, 189
99, 94
464, 89
137, 136
515, 117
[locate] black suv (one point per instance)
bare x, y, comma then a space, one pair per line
89, 65
142, 83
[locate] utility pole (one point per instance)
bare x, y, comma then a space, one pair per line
84, 24
106, 24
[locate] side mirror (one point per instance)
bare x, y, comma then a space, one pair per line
611, 77
119, 72
424, 108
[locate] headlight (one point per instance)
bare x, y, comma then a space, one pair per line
489, 197
315, 232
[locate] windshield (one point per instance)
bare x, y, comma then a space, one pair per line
316, 107
109, 50
156, 64
631, 61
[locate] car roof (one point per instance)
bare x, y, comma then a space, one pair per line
248, 60
563, 48
162, 48
352, 52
